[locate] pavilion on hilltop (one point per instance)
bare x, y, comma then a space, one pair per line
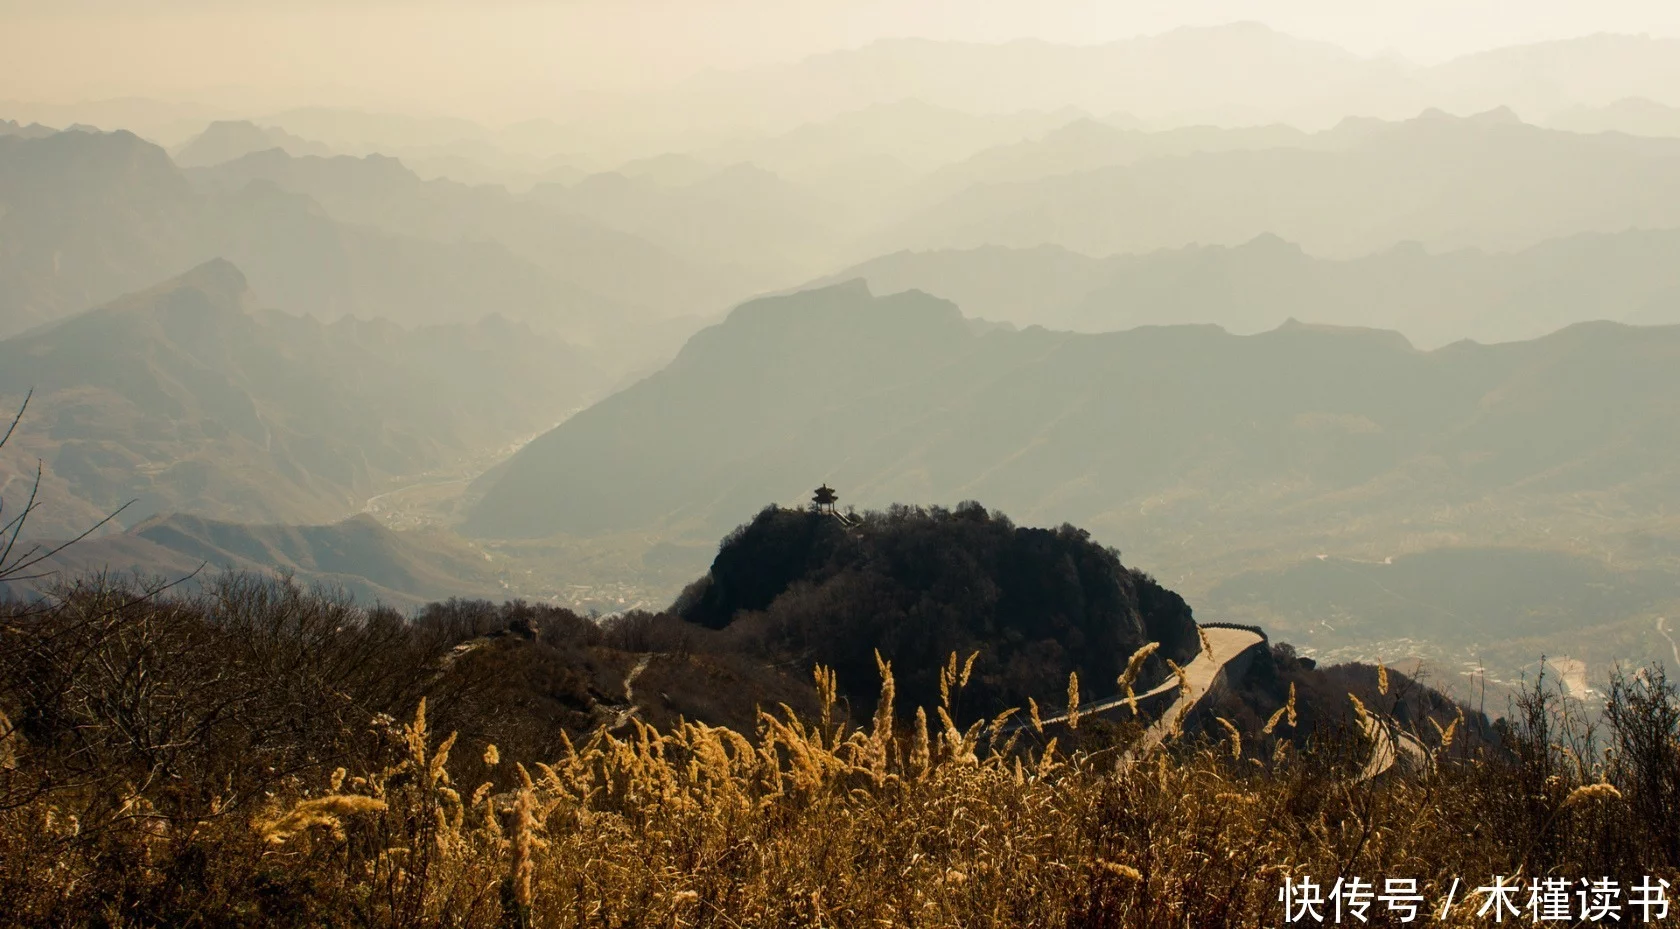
823, 500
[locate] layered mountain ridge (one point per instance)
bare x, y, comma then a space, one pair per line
1433, 297
189, 396
1145, 432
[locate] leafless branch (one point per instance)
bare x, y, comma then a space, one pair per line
38, 554
16, 568
19, 417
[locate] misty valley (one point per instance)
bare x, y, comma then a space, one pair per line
920, 481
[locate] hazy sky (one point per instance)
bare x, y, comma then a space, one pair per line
501, 58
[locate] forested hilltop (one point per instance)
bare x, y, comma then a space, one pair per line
917, 585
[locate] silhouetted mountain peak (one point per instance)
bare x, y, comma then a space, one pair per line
1085, 128
1270, 244
216, 285
31, 131
1601, 332
218, 276
1499, 115
346, 169
857, 288
92, 158
227, 139
1351, 335
238, 131
847, 309
844, 292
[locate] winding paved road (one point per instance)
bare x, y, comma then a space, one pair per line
1224, 645
1388, 743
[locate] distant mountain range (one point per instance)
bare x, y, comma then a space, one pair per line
163, 121
1087, 144
1488, 181
883, 148
608, 259
740, 217
89, 216
190, 397
359, 556
12, 127
1151, 434
227, 139
1240, 73
1632, 115
379, 192
1432, 297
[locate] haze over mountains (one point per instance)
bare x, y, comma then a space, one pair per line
191, 397
1240, 73
1432, 297
899, 397
598, 257
1488, 181
378, 191
1209, 292
227, 139
359, 556
1208, 454
1632, 115
90, 216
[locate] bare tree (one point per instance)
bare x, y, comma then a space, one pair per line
17, 564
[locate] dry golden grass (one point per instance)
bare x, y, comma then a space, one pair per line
812, 823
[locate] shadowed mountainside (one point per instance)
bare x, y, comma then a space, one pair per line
899, 397
191, 398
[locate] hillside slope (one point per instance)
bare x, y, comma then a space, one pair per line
1161, 431
191, 398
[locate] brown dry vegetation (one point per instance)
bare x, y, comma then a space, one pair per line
156, 773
